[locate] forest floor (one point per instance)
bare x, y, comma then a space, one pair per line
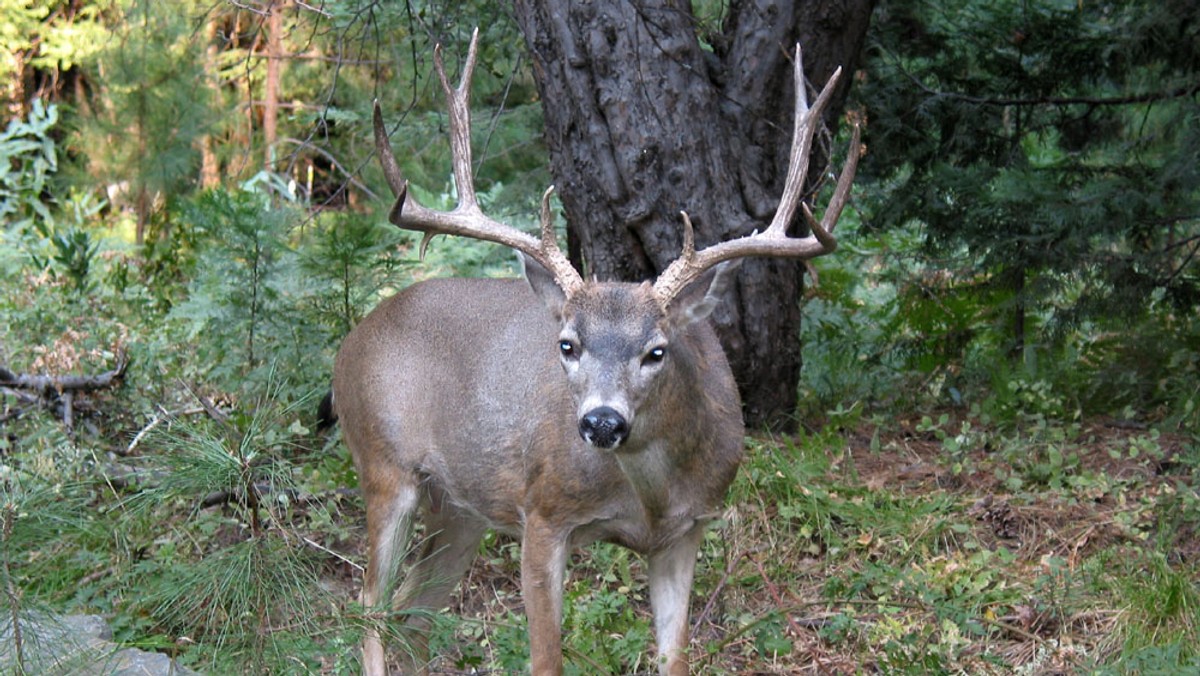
931, 547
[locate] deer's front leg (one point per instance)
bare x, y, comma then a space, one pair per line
543, 561
671, 572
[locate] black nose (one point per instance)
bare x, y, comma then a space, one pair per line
603, 427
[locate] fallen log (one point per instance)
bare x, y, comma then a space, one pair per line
58, 392
52, 386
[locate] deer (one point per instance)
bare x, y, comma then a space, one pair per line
558, 410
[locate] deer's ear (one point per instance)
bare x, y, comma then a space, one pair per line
543, 284
697, 300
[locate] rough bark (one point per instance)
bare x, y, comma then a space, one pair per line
642, 122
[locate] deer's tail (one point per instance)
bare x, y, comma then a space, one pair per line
326, 414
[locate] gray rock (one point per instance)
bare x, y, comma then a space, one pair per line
78, 645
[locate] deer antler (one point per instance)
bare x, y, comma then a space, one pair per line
774, 240
466, 219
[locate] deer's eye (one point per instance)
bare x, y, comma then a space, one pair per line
567, 349
654, 356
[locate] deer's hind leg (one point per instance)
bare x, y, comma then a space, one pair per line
451, 542
391, 496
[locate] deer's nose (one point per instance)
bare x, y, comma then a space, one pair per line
603, 427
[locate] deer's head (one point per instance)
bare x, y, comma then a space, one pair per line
619, 342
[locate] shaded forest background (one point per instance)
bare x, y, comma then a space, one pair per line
193, 219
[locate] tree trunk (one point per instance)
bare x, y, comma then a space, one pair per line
643, 123
18, 105
142, 201
271, 104
210, 167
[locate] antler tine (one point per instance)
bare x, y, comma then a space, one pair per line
823, 231
466, 219
774, 241
804, 127
387, 158
547, 220
459, 101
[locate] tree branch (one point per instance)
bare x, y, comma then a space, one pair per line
1147, 97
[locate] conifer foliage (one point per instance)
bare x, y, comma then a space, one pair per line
1048, 147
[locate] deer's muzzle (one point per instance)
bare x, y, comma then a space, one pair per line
603, 427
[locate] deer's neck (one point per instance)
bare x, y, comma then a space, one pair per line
675, 430
650, 472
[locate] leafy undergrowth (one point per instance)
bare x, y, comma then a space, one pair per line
922, 544
877, 550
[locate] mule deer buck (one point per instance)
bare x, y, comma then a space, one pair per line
559, 410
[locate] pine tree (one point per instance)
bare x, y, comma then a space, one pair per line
142, 138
